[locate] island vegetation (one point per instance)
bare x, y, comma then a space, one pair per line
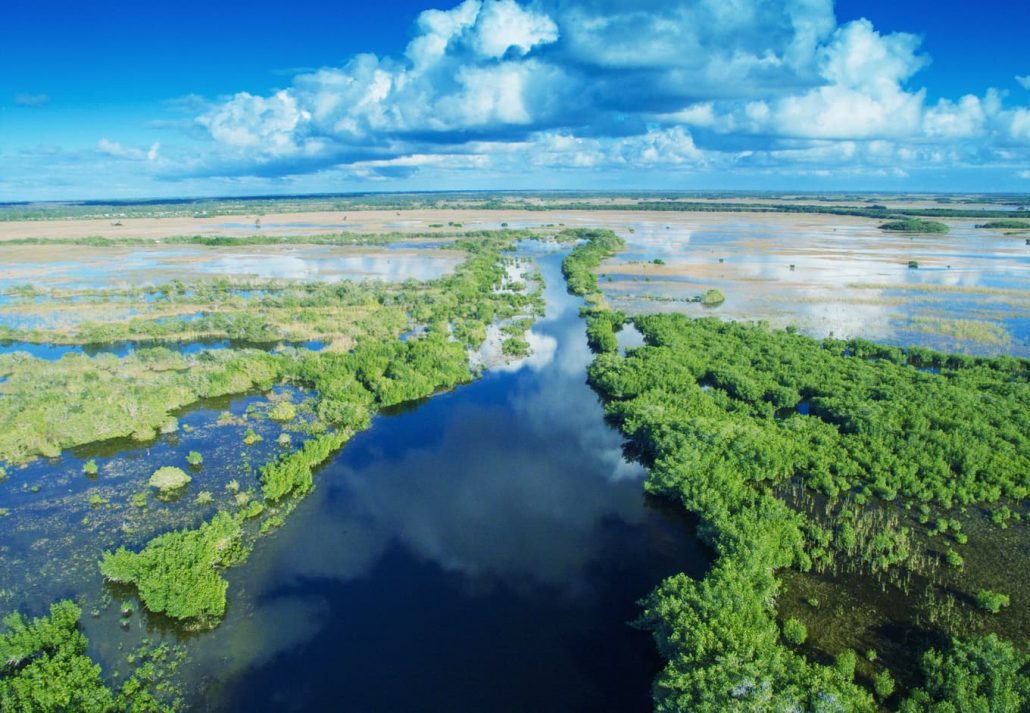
914, 225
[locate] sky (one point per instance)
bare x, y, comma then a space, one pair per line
123, 99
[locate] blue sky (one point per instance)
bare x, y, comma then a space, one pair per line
128, 99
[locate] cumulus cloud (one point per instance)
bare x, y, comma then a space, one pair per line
594, 84
504, 26
1024, 81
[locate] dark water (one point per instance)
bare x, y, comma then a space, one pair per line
481, 551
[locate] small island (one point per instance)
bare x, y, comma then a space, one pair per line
169, 479
915, 225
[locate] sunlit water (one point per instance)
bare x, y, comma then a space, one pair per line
482, 550
846, 279
112, 267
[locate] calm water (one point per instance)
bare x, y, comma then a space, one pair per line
849, 279
483, 550
89, 268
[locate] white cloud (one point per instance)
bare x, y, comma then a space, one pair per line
437, 29
610, 83
1024, 81
863, 97
702, 114
962, 120
267, 125
504, 25
1019, 125
117, 150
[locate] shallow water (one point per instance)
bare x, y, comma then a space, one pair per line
847, 280
52, 537
91, 268
53, 352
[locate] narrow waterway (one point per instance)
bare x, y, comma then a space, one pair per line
482, 550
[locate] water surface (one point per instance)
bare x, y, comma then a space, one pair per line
483, 550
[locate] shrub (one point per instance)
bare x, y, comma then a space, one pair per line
883, 684
795, 631
194, 458
991, 601
283, 412
169, 478
175, 574
713, 298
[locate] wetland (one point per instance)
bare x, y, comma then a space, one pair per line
531, 454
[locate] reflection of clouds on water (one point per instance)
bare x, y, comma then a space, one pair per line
106, 268
541, 355
848, 280
512, 480
331, 268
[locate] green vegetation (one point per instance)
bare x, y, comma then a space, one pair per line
49, 406
90, 467
713, 298
883, 684
177, 573
578, 267
703, 202
985, 674
292, 474
515, 347
915, 225
602, 329
169, 478
712, 408
991, 601
795, 631
44, 668
283, 411
195, 459
1007, 224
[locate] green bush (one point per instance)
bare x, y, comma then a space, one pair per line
991, 601
176, 573
795, 631
883, 684
168, 479
713, 298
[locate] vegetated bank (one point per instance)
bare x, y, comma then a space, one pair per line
178, 574
748, 428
